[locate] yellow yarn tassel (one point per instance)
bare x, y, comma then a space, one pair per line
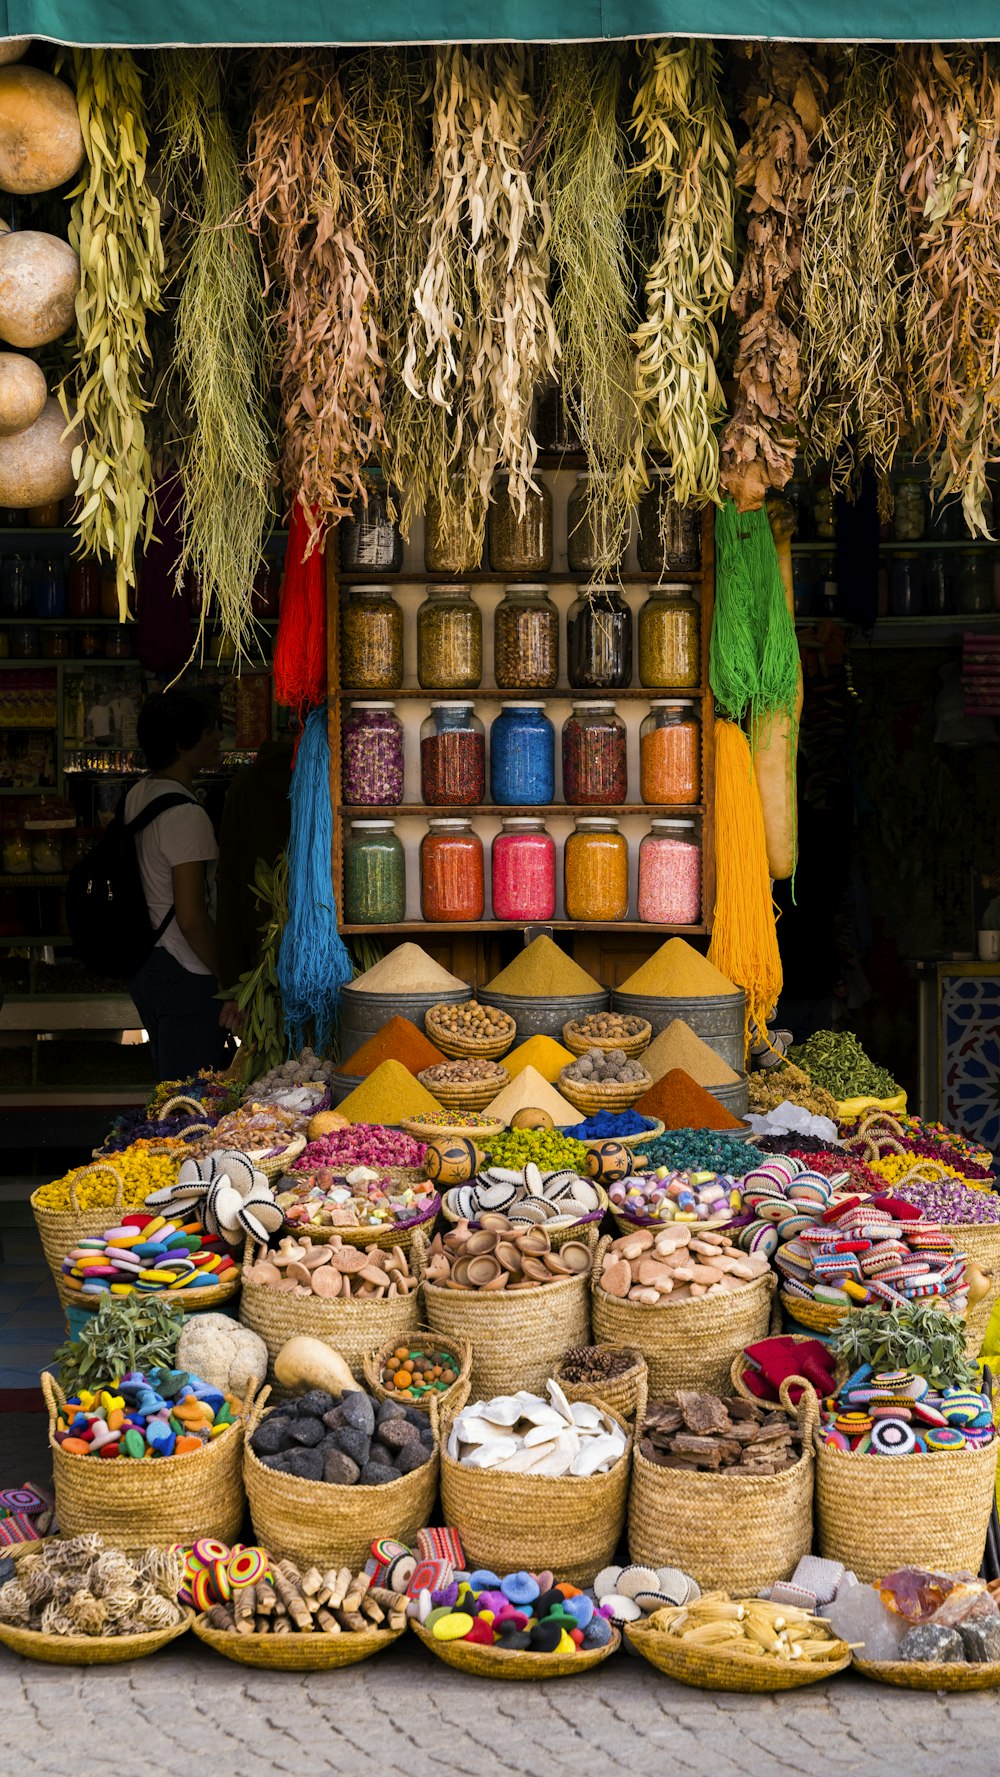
744, 940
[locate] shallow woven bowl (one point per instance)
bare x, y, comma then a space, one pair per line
273, 1165
630, 1046
457, 1348
460, 1047
625, 1141
208, 1297
709, 1669
613, 1095
932, 1675
629, 1224
295, 1652
90, 1650
467, 1095
821, 1317
568, 1231
440, 1131
510, 1663
385, 1236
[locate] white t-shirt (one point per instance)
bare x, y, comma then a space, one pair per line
181, 835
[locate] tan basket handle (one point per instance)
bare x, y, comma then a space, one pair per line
97, 1166
197, 1104
599, 1251
256, 1411
418, 1255
806, 1413
54, 1398
641, 1402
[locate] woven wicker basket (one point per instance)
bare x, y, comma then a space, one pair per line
578, 1230
571, 1524
518, 1339
612, 1095
579, 1044
877, 1513
322, 1524
710, 1669
507, 1663
352, 1325
467, 1095
932, 1675
820, 1317
979, 1241
457, 1348
688, 1344
60, 1229
139, 1505
630, 1224
273, 1165
385, 1238
428, 1130
732, 1531
740, 1367
621, 1393
210, 1295
90, 1650
461, 1048
314, 1652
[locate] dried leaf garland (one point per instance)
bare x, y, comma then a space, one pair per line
221, 351
306, 203
855, 276
952, 185
688, 150
115, 228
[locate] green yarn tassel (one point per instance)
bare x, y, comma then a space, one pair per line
754, 657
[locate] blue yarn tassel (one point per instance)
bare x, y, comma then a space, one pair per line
313, 963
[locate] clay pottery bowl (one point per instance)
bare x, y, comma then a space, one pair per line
482, 1270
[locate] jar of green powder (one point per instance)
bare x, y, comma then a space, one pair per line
374, 875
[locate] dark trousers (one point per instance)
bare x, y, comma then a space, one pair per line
180, 1013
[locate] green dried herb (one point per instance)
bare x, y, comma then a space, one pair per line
126, 1333
914, 1336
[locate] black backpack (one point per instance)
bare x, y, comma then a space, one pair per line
106, 908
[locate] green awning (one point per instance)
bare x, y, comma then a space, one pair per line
250, 22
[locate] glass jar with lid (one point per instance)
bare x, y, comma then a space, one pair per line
371, 640
599, 640
974, 582
446, 551
824, 511
670, 753
46, 853
937, 586
452, 756
906, 585
583, 541
370, 539
669, 540
449, 640
50, 587
452, 878
909, 516
57, 644
16, 852
372, 755
670, 874
526, 640
552, 422
595, 870
594, 756
524, 869
669, 638
374, 875
522, 757
520, 542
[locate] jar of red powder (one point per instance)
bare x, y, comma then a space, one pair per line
670, 874
452, 756
595, 756
524, 869
670, 754
452, 885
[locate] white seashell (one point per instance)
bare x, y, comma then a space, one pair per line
597, 1455
558, 1399
480, 1431
489, 1455
542, 1434
521, 1464
586, 1416
453, 1444
527, 1399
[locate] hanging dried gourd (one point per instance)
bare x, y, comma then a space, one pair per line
306, 204
115, 229
689, 155
952, 186
855, 278
481, 335
221, 353
774, 167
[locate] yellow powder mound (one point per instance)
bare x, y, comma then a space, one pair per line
544, 1054
388, 1095
677, 971
680, 1046
530, 1091
543, 971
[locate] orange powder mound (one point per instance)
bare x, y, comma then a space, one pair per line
681, 1103
399, 1040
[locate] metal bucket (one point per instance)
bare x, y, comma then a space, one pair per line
735, 1097
362, 1015
542, 1017
340, 1086
717, 1020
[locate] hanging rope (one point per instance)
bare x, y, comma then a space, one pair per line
744, 941
300, 648
313, 963
754, 659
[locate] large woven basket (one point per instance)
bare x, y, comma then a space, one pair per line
352, 1325
518, 1339
273, 1165
467, 1095
318, 1523
312, 1652
138, 1505
737, 1374
458, 1349
688, 1344
732, 1531
461, 1048
710, 1669
621, 1393
633, 1047
877, 1513
90, 1650
931, 1675
60, 1229
209, 1295
820, 1317
385, 1238
979, 1241
509, 1664
610, 1095
571, 1524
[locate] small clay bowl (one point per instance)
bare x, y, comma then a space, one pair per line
576, 1256
499, 1283
483, 1242
460, 1273
536, 1270
508, 1255
533, 1242
494, 1222
482, 1270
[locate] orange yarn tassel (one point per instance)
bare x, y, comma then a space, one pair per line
300, 649
744, 940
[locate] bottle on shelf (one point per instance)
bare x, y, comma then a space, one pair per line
670, 753
670, 874
526, 640
522, 756
374, 875
372, 755
594, 756
452, 756
669, 540
370, 541
520, 542
595, 871
371, 640
669, 627
449, 640
587, 551
452, 885
599, 640
524, 869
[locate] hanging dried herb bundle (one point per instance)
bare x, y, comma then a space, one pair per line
774, 166
222, 355
689, 152
952, 185
481, 334
594, 304
306, 204
115, 228
855, 277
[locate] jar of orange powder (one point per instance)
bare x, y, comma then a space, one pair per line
670, 754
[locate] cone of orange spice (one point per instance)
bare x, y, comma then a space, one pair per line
680, 1103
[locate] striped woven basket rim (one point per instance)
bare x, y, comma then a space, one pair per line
512, 1663
932, 1675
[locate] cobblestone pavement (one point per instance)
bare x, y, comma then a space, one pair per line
188, 1713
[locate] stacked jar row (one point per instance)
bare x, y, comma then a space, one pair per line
523, 872
523, 756
525, 640
668, 542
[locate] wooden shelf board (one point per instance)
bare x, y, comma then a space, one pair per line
457, 927
490, 694
436, 811
404, 577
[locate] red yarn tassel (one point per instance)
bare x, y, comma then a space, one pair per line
300, 649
